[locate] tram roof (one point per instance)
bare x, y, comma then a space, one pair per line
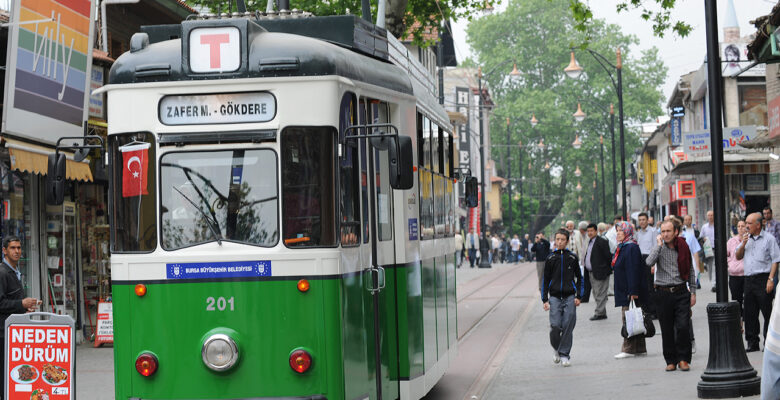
267, 54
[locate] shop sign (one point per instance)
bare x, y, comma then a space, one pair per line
6, 209
96, 101
678, 111
755, 182
229, 108
105, 324
683, 210
686, 189
732, 137
774, 117
39, 357
48, 68
774, 178
696, 144
676, 127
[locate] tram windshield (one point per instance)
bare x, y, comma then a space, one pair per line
209, 196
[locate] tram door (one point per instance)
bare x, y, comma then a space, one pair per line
383, 256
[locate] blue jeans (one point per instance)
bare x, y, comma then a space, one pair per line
472, 256
563, 317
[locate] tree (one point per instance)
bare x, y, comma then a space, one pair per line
660, 15
536, 34
402, 17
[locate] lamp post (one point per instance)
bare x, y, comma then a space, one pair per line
573, 70
509, 177
484, 246
728, 372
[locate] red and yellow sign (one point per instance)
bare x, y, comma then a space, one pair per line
40, 362
686, 189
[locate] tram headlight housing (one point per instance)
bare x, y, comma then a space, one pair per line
219, 352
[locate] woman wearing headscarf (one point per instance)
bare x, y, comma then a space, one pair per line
629, 276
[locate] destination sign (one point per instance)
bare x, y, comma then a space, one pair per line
230, 108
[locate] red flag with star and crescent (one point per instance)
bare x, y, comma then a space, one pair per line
135, 159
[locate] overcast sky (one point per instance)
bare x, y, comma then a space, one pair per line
680, 55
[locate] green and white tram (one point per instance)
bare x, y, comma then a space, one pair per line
269, 236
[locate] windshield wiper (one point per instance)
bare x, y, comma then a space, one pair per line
209, 222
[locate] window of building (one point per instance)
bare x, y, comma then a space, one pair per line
752, 105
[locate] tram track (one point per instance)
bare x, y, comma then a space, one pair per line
514, 283
492, 279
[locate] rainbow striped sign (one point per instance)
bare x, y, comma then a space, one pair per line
49, 61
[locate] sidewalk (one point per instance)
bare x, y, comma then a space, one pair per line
529, 373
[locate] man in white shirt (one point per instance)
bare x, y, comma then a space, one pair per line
708, 231
611, 234
646, 238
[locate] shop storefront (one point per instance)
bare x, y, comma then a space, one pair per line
65, 259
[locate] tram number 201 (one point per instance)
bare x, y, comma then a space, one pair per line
220, 304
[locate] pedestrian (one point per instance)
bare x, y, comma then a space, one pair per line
580, 239
515, 249
561, 293
525, 247
708, 232
736, 268
675, 285
472, 243
630, 284
689, 235
484, 248
646, 238
760, 254
541, 249
772, 226
611, 234
495, 244
770, 374
598, 263
459, 248
12, 300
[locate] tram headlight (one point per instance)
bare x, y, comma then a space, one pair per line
219, 352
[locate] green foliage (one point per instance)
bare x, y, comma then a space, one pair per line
659, 14
420, 17
536, 34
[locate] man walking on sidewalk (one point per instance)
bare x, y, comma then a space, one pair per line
541, 249
646, 239
675, 284
597, 262
561, 293
472, 244
760, 255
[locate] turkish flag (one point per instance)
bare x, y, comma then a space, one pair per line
135, 159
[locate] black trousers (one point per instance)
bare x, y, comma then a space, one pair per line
737, 288
756, 299
588, 288
674, 316
650, 307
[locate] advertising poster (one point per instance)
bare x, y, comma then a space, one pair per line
40, 362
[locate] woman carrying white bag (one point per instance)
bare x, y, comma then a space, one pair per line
629, 288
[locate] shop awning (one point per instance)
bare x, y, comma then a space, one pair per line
704, 164
32, 158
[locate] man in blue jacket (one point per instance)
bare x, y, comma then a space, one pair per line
562, 290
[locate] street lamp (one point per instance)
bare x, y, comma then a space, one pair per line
579, 115
577, 143
533, 122
574, 70
484, 247
577, 172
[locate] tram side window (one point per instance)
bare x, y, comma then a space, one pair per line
380, 113
435, 142
133, 197
363, 115
426, 180
349, 172
447, 153
308, 208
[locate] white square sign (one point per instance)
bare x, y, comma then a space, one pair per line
215, 49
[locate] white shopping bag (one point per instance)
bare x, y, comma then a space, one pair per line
635, 321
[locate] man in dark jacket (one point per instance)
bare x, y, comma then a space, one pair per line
597, 263
12, 300
562, 290
541, 249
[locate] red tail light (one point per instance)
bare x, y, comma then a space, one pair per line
303, 285
140, 290
146, 364
300, 361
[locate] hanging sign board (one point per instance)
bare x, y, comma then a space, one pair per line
686, 189
105, 324
40, 357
